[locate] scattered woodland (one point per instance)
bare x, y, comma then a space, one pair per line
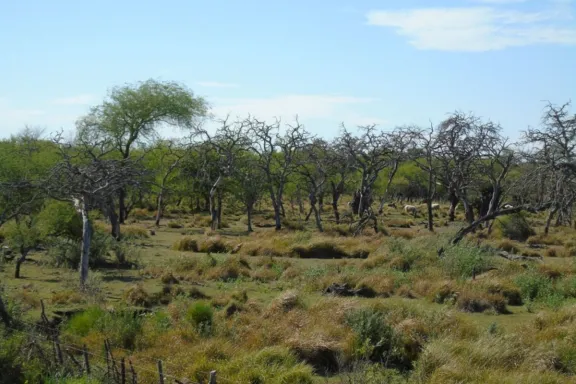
252, 251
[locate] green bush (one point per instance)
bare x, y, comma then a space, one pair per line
66, 252
201, 316
122, 327
514, 227
375, 339
534, 286
60, 219
463, 261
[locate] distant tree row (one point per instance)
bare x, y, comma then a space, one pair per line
118, 161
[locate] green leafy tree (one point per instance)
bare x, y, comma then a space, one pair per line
132, 114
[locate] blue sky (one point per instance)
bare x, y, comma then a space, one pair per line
387, 62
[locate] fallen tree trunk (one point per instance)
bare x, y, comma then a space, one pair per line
513, 257
472, 227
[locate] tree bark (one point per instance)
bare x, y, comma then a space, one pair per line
122, 205
219, 208
114, 222
549, 219
4, 315
19, 261
453, 202
86, 239
249, 207
318, 218
159, 209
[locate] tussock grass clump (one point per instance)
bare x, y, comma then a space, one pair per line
137, 295
168, 278
508, 246
321, 250
201, 316
175, 225
464, 261
231, 268
286, 302
134, 232
141, 214
511, 293
186, 244
66, 298
475, 301
213, 245
381, 285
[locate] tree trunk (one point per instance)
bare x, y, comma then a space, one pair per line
549, 219
453, 202
219, 208
19, 261
122, 205
114, 222
318, 218
335, 197
468, 211
86, 238
321, 202
213, 214
299, 201
4, 315
159, 209
282, 210
249, 206
198, 209
277, 216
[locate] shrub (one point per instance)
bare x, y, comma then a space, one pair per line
59, 218
186, 244
66, 253
375, 339
168, 278
514, 227
464, 261
201, 316
534, 286
82, 323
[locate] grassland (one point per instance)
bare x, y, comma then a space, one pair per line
253, 308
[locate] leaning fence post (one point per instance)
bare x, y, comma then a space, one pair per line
86, 362
160, 372
212, 377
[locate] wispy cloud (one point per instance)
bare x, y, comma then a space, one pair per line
216, 84
288, 106
478, 28
83, 99
499, 1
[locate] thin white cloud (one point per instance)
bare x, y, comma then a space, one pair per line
477, 29
288, 106
216, 84
83, 99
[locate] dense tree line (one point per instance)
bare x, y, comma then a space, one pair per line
117, 161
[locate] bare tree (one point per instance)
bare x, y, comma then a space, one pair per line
276, 155
313, 164
87, 179
371, 152
555, 160
168, 155
460, 141
339, 171
427, 144
229, 141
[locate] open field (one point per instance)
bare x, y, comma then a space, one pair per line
251, 306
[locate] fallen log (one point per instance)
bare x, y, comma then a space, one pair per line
513, 257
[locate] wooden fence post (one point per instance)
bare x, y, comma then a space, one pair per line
212, 377
160, 372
